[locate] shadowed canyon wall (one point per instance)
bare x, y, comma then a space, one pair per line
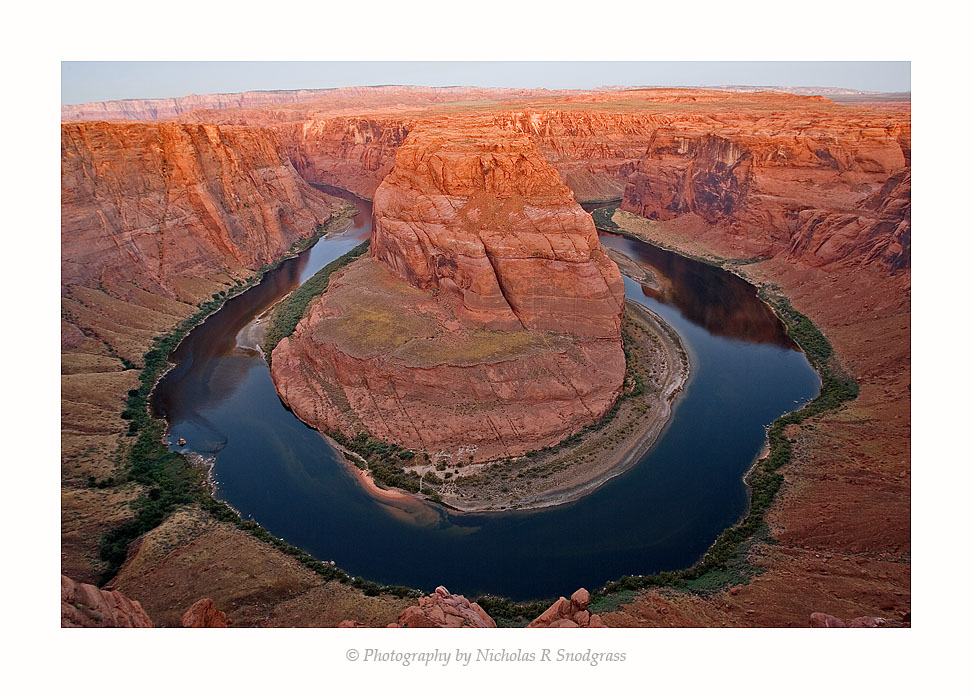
354, 153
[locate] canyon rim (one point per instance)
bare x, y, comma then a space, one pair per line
546, 275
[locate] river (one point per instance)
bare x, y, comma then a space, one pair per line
661, 515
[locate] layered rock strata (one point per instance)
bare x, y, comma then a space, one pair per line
155, 219
153, 203
836, 193
481, 217
487, 321
84, 605
167, 108
353, 153
878, 231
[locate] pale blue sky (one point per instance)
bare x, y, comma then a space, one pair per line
102, 81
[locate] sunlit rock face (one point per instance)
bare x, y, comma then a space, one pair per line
822, 190
482, 217
486, 321
150, 202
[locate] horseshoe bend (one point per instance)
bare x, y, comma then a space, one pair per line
485, 323
717, 340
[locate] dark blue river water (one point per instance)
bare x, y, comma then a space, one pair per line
661, 515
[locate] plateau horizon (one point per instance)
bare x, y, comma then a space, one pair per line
94, 81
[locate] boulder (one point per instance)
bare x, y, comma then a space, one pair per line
567, 613
821, 620
203, 614
443, 609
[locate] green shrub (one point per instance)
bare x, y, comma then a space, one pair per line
290, 310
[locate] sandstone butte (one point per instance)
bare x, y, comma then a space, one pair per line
487, 321
820, 191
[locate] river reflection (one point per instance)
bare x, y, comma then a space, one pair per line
662, 514
720, 302
199, 376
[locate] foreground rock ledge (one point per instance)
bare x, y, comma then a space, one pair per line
85, 605
487, 322
442, 609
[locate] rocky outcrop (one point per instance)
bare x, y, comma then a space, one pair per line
482, 218
378, 356
84, 605
443, 609
820, 620
352, 624
151, 202
203, 614
569, 614
487, 321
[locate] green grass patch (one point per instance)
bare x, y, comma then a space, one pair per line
610, 603
603, 219
290, 310
384, 460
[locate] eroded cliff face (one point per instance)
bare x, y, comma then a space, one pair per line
484, 219
710, 177
148, 203
594, 152
821, 192
354, 153
880, 231
487, 320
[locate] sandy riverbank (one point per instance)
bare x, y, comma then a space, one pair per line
631, 268
661, 362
